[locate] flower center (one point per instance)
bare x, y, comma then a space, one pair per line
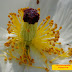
31, 16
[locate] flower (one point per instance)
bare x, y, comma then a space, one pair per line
42, 44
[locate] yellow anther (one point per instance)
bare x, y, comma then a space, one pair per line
51, 20
50, 61
11, 18
17, 58
12, 49
61, 49
43, 20
53, 44
60, 28
68, 48
20, 63
18, 15
49, 53
48, 16
59, 42
7, 44
46, 61
30, 64
9, 22
55, 52
12, 46
8, 37
8, 15
5, 59
25, 61
47, 69
38, 9
10, 58
32, 61
17, 47
70, 61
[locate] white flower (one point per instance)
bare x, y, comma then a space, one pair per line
60, 12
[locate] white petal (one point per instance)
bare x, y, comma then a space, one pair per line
10, 66
63, 17
3, 34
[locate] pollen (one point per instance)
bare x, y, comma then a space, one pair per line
50, 61
70, 61
5, 59
8, 15
17, 47
10, 58
8, 37
20, 63
47, 70
12, 49
38, 9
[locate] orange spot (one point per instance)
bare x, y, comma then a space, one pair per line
20, 57
50, 61
24, 56
60, 28
53, 44
48, 16
10, 58
61, 49
12, 46
15, 14
59, 42
70, 61
18, 15
68, 48
8, 15
46, 61
38, 9
8, 37
7, 44
12, 49
49, 53
20, 63
17, 58
5, 59
47, 69
30, 64
28, 30
32, 61
9, 22
17, 47
11, 18
43, 20
51, 20
25, 61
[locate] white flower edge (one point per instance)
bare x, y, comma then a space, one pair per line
63, 17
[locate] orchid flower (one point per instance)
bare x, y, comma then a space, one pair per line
37, 39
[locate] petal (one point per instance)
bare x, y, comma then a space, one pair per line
10, 66
47, 7
63, 17
3, 34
